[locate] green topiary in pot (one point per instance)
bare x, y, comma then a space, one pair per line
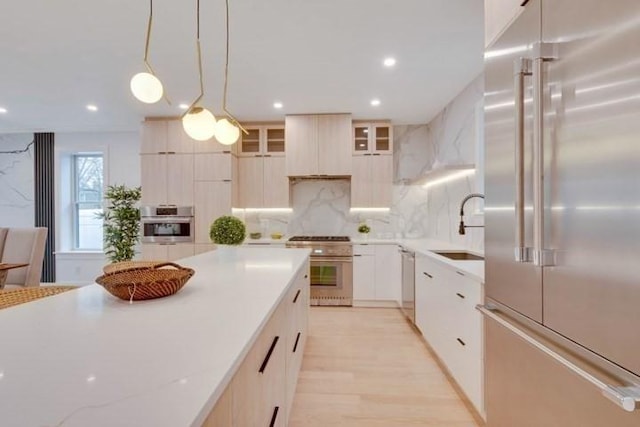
227, 230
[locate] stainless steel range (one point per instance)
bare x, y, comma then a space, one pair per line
331, 268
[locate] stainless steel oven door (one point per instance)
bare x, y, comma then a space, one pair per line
167, 229
331, 281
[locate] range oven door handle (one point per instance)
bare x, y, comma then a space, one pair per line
331, 259
628, 398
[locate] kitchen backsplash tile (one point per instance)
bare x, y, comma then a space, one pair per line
322, 206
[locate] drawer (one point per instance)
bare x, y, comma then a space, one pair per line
465, 365
364, 249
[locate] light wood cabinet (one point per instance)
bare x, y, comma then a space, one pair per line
318, 144
166, 252
376, 273
498, 14
167, 179
370, 138
262, 140
445, 314
372, 181
262, 182
213, 167
212, 200
165, 136
263, 387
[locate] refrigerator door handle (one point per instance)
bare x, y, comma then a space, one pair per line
521, 69
541, 256
628, 398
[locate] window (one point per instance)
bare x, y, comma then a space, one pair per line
87, 201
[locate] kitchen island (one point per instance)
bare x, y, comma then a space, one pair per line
85, 358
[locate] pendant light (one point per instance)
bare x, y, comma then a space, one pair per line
198, 122
145, 86
227, 129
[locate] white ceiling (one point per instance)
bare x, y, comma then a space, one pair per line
315, 56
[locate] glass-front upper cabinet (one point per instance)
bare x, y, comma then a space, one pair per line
262, 140
372, 138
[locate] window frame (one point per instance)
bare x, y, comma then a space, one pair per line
76, 204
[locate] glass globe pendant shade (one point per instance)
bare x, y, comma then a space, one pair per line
146, 88
199, 124
226, 133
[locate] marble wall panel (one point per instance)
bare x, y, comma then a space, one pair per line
17, 204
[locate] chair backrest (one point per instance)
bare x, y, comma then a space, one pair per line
25, 245
3, 236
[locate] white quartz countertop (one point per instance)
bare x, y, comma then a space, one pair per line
474, 269
84, 358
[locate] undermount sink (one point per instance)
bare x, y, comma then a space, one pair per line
460, 256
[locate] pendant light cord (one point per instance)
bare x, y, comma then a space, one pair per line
192, 108
146, 48
226, 73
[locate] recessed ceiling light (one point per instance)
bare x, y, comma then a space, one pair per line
389, 62
277, 105
375, 102
183, 106
3, 110
92, 107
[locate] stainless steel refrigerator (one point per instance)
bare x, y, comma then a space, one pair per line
562, 217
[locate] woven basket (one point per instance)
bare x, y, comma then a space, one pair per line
146, 282
11, 297
128, 265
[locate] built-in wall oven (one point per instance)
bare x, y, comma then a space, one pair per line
331, 268
167, 224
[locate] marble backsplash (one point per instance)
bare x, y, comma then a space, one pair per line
17, 206
322, 206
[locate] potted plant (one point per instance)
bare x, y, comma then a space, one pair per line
121, 222
227, 230
364, 230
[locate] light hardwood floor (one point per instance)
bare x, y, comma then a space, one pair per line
368, 367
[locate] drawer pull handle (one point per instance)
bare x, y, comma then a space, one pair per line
274, 416
460, 295
295, 299
295, 346
306, 275
460, 273
460, 341
427, 274
266, 359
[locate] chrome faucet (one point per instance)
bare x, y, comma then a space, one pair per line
461, 227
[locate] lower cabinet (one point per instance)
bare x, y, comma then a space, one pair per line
261, 392
166, 252
376, 273
445, 314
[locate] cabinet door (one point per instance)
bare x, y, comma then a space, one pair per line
212, 200
180, 251
360, 141
273, 141
249, 144
213, 167
154, 137
361, 182
301, 134
382, 138
334, 144
250, 181
388, 273
153, 179
180, 179
177, 139
364, 277
381, 180
153, 252
276, 183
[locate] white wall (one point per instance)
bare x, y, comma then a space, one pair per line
17, 207
121, 166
